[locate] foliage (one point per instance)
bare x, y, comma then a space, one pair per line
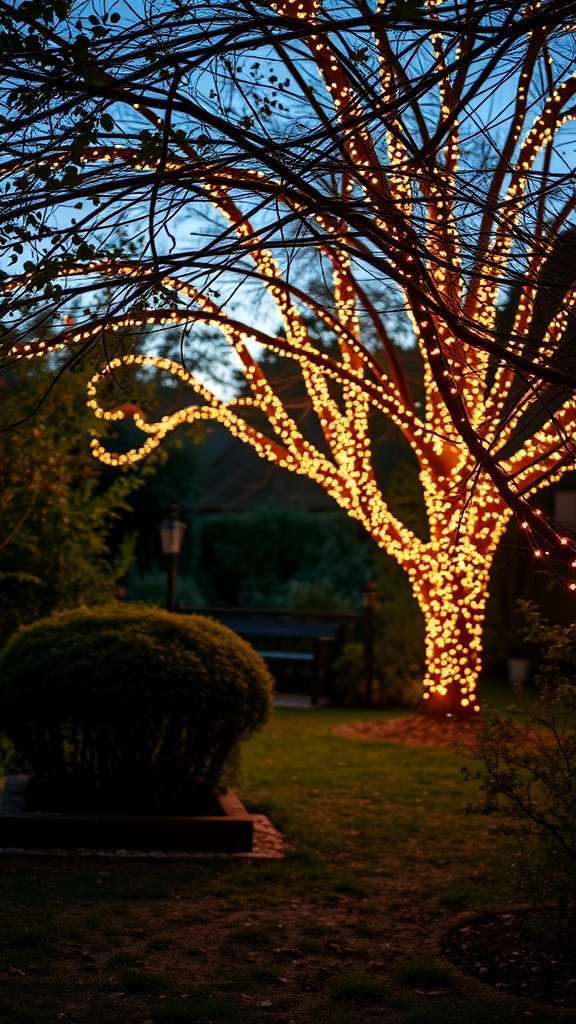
281, 557
70, 528
398, 648
57, 513
151, 588
128, 708
528, 771
514, 580
176, 480
397, 680
317, 595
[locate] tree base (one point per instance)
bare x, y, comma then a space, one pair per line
415, 730
437, 706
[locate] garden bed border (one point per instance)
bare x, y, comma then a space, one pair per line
230, 830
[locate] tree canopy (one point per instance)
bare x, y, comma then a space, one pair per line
415, 157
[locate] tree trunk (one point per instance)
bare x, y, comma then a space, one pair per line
453, 599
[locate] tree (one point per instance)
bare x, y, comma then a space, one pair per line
56, 511
414, 155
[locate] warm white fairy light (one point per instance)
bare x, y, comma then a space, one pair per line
466, 515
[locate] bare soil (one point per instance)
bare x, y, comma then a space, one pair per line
518, 952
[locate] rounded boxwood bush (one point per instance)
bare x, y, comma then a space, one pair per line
129, 709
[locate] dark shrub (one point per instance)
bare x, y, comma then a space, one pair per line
129, 708
528, 768
398, 648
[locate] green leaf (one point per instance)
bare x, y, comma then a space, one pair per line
84, 251
92, 74
70, 176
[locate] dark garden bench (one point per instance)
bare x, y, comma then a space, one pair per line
280, 639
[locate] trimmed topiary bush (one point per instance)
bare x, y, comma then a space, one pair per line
129, 709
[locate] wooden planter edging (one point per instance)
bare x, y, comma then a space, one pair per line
230, 830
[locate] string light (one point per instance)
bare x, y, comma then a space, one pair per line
466, 515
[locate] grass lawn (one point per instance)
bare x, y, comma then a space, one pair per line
345, 928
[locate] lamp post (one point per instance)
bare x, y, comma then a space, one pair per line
369, 597
172, 532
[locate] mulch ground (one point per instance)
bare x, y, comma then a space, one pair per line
416, 729
518, 951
